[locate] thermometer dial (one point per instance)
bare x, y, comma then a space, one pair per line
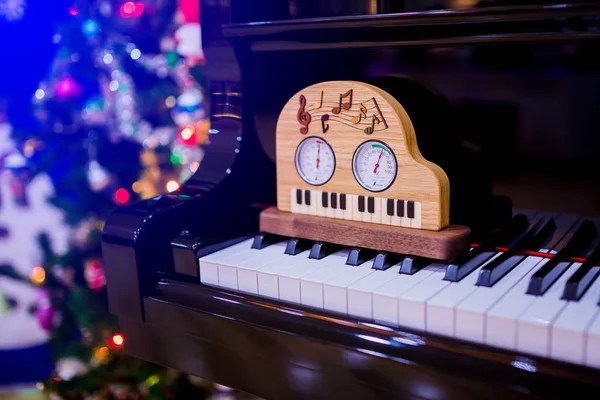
315, 161
374, 166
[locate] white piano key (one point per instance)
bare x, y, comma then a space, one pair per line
312, 209
365, 215
412, 303
569, 331
470, 313
592, 350
321, 211
356, 215
335, 289
348, 212
385, 218
247, 269
441, 308
267, 276
395, 219
289, 279
416, 221
385, 298
209, 267
502, 318
329, 211
294, 205
311, 284
376, 216
534, 326
360, 293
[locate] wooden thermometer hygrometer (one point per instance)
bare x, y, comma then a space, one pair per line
349, 171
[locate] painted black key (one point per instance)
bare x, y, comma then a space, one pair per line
543, 278
390, 207
384, 260
296, 246
324, 199
298, 196
343, 201
307, 197
262, 240
412, 264
359, 256
320, 250
467, 262
371, 205
410, 209
334, 200
400, 208
503, 264
583, 278
361, 203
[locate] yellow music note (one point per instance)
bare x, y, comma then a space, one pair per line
318, 105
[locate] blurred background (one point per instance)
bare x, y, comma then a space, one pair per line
101, 103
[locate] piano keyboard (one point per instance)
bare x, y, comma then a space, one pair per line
559, 320
406, 213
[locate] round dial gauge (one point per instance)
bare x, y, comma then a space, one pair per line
374, 166
315, 161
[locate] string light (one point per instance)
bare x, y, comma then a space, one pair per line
121, 196
172, 186
118, 339
38, 275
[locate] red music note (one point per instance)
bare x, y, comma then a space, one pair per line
303, 116
345, 106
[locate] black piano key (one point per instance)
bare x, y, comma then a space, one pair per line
384, 260
503, 264
371, 205
582, 279
467, 262
299, 196
262, 240
343, 201
400, 208
307, 197
390, 207
361, 203
543, 278
412, 264
324, 199
296, 246
359, 256
410, 209
334, 200
321, 249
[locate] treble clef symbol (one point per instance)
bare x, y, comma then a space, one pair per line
303, 116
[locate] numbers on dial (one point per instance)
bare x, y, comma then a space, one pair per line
374, 166
315, 161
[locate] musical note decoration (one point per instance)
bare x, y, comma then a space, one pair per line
318, 105
324, 127
346, 106
303, 116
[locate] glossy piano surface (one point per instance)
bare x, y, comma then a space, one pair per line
504, 98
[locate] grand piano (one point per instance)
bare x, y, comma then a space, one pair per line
503, 96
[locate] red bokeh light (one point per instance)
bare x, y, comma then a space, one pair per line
121, 196
118, 339
131, 9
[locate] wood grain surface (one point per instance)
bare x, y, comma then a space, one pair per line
438, 245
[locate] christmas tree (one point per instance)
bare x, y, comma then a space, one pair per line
119, 115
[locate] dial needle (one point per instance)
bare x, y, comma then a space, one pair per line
318, 154
377, 163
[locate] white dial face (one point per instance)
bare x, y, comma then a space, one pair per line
315, 160
374, 166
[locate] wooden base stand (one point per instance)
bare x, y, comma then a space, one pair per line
438, 245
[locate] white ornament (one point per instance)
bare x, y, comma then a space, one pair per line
69, 368
189, 40
20, 249
189, 107
12, 10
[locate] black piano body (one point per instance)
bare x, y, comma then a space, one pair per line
514, 89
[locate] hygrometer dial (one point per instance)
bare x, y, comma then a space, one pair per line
374, 166
315, 161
